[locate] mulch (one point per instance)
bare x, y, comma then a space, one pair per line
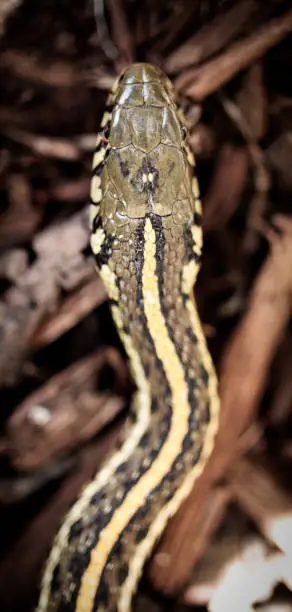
65, 382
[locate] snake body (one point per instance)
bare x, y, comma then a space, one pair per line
146, 239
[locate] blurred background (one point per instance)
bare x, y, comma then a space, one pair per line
65, 384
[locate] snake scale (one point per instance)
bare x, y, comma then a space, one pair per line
146, 239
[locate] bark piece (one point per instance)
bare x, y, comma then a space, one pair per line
198, 83
66, 411
211, 37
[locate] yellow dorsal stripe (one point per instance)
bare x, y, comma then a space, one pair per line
144, 549
179, 427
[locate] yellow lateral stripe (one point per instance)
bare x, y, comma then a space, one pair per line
190, 157
205, 356
106, 117
96, 193
189, 275
142, 399
109, 280
197, 236
179, 427
97, 240
198, 206
144, 549
195, 188
98, 158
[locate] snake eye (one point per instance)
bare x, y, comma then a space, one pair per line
183, 132
107, 131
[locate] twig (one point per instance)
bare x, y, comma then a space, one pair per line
220, 203
210, 38
102, 30
255, 220
121, 34
57, 74
71, 311
59, 148
198, 83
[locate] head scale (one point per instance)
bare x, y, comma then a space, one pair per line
146, 168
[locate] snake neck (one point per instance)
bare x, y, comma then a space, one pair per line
114, 525
171, 409
159, 327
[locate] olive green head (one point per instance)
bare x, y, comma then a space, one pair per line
146, 169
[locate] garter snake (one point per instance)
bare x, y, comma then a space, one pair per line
146, 239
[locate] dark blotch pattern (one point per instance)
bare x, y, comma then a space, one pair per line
197, 219
105, 252
75, 531
56, 582
189, 245
124, 166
